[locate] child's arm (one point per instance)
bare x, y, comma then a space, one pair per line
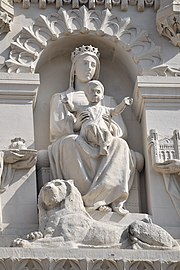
69, 105
127, 101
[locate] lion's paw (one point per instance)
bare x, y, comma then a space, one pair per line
34, 235
19, 242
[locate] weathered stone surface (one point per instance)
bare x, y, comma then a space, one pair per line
64, 221
43, 46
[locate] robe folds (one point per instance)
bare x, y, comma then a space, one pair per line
100, 179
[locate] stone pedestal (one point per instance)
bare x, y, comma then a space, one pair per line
18, 178
83, 259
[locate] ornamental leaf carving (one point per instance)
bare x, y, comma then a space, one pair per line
30, 264
104, 265
67, 264
32, 40
142, 266
174, 266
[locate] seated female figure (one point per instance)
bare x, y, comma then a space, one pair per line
101, 179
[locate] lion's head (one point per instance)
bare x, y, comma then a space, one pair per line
60, 194
52, 194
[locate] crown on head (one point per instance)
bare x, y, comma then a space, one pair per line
85, 49
17, 140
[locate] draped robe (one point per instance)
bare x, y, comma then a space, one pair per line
101, 180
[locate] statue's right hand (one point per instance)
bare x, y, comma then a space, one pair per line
81, 118
34, 235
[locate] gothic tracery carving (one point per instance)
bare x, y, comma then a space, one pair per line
168, 21
6, 16
67, 264
26, 50
166, 70
142, 265
78, 264
170, 28
91, 4
104, 264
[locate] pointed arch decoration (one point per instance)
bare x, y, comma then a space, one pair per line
31, 42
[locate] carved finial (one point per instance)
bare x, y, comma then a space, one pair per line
154, 134
176, 134
6, 16
18, 143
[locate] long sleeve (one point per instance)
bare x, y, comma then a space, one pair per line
110, 102
61, 121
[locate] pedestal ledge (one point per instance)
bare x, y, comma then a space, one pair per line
112, 217
81, 259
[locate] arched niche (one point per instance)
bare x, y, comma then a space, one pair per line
45, 48
118, 74
33, 40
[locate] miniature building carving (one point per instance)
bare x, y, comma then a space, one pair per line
166, 148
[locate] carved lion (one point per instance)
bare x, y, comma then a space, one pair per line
64, 220
151, 236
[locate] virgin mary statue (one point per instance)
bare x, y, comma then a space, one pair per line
103, 181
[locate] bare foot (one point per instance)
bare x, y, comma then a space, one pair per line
120, 210
104, 208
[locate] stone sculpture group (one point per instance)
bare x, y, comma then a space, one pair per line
64, 221
89, 147
103, 180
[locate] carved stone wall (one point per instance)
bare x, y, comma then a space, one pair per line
74, 19
91, 4
157, 100
18, 198
88, 260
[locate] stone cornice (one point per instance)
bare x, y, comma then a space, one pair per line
156, 91
19, 87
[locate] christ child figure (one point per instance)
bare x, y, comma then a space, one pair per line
96, 125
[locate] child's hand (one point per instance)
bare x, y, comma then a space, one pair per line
128, 101
64, 99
